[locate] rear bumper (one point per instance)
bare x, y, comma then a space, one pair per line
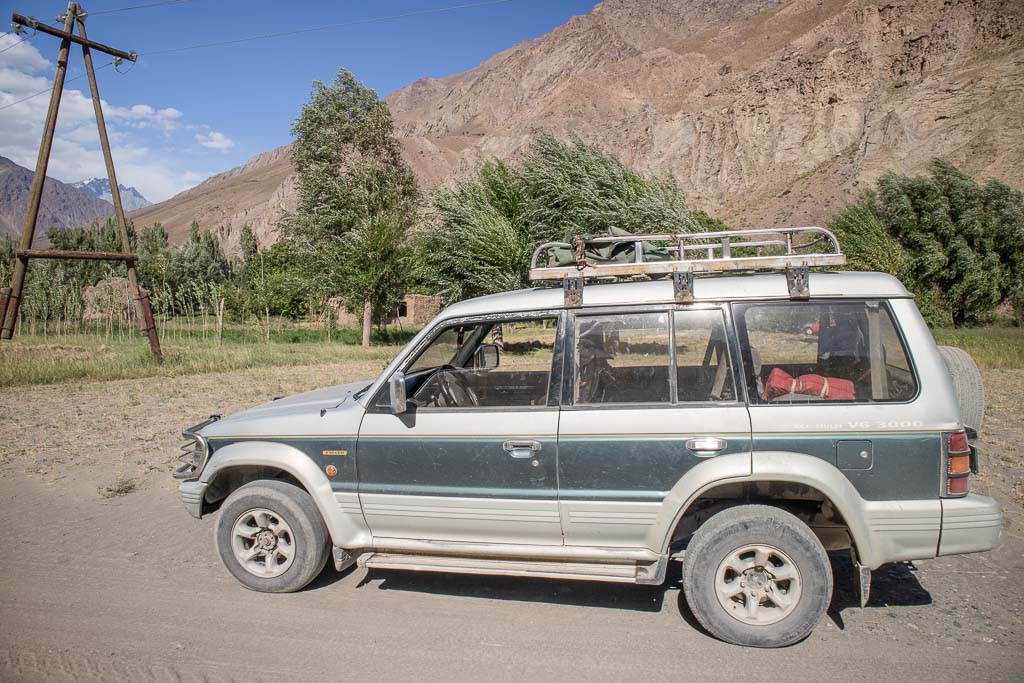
191, 494
969, 525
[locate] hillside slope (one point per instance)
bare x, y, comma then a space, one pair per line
253, 193
767, 112
62, 205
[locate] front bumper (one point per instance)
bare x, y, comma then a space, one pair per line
191, 494
970, 524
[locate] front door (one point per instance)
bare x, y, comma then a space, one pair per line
475, 456
651, 394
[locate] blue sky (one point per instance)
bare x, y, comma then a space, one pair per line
178, 118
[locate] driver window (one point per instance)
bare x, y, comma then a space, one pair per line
486, 365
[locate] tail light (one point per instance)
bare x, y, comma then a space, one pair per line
959, 464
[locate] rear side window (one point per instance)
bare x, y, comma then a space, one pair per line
664, 357
702, 357
811, 352
623, 359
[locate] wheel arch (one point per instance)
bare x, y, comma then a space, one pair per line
778, 467
346, 530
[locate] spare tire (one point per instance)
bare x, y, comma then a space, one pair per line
967, 380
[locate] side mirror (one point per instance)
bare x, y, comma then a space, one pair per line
396, 389
486, 357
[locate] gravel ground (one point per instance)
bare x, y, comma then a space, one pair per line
106, 576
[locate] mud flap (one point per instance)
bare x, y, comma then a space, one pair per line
343, 559
863, 582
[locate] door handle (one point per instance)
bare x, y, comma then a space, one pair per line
706, 445
521, 449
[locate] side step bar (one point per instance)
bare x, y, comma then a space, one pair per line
644, 573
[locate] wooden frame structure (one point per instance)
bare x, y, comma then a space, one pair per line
10, 299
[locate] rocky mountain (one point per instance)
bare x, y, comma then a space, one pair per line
767, 111
254, 193
131, 198
62, 205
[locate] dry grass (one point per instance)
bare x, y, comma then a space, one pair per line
122, 486
35, 360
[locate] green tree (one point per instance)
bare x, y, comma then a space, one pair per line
957, 244
483, 230
356, 198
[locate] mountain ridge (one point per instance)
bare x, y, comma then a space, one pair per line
131, 198
62, 205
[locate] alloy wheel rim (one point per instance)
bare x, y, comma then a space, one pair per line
263, 543
758, 584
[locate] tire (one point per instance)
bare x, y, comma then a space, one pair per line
970, 390
789, 547
276, 520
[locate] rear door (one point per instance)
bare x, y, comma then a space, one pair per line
649, 394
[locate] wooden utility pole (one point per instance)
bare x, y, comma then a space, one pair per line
144, 313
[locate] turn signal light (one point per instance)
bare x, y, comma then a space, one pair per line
960, 464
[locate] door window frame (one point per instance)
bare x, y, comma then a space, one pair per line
732, 354
554, 372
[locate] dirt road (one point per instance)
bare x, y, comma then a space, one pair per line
130, 587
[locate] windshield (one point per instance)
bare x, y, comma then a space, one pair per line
445, 348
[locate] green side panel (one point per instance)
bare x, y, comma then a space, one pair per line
476, 467
904, 466
629, 468
345, 480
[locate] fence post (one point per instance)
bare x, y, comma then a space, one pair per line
220, 322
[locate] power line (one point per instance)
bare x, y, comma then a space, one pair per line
15, 44
135, 7
50, 89
281, 34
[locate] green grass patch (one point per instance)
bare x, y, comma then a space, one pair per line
991, 347
35, 359
46, 360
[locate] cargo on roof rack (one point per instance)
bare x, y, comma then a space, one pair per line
683, 254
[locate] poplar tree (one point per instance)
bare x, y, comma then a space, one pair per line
357, 199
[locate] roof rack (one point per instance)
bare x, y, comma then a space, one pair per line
683, 254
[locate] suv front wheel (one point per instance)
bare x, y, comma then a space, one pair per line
756, 575
271, 537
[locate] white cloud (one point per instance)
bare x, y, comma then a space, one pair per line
20, 54
145, 116
152, 146
215, 140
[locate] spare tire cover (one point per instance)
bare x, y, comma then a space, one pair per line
967, 380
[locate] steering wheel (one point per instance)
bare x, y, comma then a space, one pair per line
452, 389
455, 389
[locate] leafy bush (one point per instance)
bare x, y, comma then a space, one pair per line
483, 230
957, 244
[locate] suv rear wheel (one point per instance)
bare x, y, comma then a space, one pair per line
756, 575
271, 537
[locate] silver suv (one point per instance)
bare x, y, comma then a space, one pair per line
741, 424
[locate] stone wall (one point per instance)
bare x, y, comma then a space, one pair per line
416, 310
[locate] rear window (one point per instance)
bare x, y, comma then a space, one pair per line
812, 352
